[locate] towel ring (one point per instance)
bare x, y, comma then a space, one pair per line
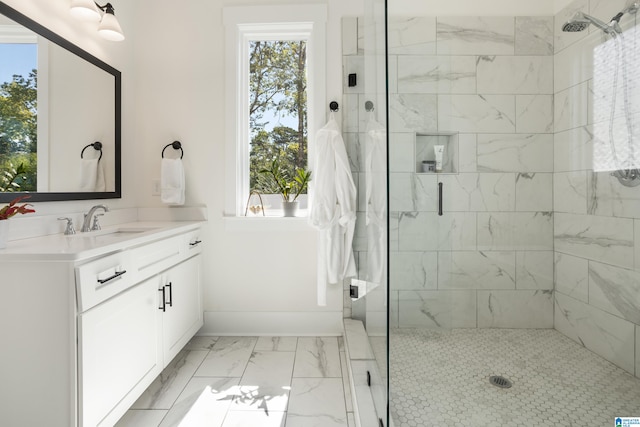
333, 106
368, 106
96, 145
176, 146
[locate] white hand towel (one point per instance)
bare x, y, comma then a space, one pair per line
101, 183
172, 182
88, 174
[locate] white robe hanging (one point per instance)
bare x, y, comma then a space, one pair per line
376, 201
333, 209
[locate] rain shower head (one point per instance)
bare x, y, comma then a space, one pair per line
580, 21
575, 26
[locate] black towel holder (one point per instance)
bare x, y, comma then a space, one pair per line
96, 145
368, 106
333, 106
176, 146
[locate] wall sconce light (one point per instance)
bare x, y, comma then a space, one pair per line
89, 10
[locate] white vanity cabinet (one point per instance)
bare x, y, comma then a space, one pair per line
118, 348
86, 332
181, 309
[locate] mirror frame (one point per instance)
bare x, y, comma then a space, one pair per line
34, 26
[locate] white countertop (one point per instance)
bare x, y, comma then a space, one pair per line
80, 246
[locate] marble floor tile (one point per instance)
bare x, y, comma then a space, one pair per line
316, 402
201, 343
271, 367
204, 402
317, 357
141, 418
227, 358
266, 382
261, 398
166, 388
259, 395
252, 418
276, 344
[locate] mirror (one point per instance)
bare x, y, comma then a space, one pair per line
56, 102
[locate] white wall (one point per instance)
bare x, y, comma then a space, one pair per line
256, 281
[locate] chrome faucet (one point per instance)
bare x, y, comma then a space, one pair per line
86, 224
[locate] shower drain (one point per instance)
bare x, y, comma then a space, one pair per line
500, 381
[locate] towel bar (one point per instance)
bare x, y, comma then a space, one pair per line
176, 146
96, 145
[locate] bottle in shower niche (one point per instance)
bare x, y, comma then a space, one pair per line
438, 150
428, 166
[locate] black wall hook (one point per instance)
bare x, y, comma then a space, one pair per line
333, 106
176, 145
96, 146
368, 106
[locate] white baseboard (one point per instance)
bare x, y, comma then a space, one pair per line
239, 323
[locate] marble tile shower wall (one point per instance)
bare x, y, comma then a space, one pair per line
488, 261
597, 221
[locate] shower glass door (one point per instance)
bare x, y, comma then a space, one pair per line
428, 229
365, 130
470, 194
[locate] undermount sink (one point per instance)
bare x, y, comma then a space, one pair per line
129, 230
115, 232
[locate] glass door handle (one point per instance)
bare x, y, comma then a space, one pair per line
440, 199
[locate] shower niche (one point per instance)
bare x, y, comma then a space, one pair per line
425, 143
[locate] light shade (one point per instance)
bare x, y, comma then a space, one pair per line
109, 27
85, 10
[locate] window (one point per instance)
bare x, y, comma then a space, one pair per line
277, 112
18, 109
275, 87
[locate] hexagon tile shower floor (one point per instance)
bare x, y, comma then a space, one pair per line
442, 378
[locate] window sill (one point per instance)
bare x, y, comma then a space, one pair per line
267, 223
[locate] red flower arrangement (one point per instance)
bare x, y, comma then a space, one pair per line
13, 208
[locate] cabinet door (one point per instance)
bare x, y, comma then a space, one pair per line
118, 348
183, 307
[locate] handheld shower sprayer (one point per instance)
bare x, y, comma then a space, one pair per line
627, 169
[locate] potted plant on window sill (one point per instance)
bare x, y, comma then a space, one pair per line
288, 188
